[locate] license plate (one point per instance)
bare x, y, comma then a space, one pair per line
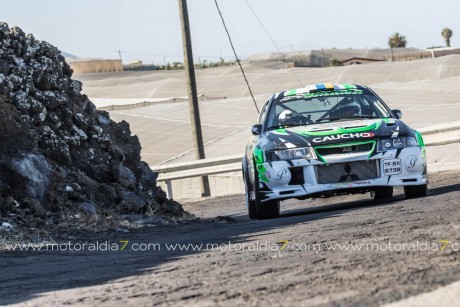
392, 167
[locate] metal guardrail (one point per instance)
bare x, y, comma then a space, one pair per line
228, 164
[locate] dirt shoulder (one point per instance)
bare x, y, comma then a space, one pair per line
383, 252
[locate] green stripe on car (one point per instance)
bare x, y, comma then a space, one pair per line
339, 130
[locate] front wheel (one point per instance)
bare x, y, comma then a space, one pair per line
250, 203
264, 210
382, 193
413, 191
268, 210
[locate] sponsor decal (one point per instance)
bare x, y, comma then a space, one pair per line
267, 175
343, 136
362, 182
412, 164
349, 124
287, 144
289, 98
333, 93
343, 185
281, 174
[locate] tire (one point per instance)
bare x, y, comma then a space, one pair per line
413, 191
267, 209
250, 204
382, 193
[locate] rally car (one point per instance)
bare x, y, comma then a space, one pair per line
326, 140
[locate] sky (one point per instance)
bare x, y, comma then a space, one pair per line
149, 30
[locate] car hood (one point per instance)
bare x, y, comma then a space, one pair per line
337, 132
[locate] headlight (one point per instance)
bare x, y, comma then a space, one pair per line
289, 154
395, 143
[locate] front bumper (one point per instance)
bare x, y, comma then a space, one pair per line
301, 178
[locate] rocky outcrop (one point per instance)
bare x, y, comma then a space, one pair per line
56, 150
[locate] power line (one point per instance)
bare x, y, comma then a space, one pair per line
271, 38
156, 55
236, 56
262, 25
97, 54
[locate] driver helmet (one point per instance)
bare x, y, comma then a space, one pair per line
350, 110
287, 117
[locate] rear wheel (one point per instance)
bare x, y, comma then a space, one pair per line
264, 210
412, 191
382, 193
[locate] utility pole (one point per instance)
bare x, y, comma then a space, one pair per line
192, 93
119, 54
322, 56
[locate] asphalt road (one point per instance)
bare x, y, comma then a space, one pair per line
396, 252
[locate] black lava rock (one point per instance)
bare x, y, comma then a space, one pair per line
57, 150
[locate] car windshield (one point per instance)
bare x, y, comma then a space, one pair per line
323, 107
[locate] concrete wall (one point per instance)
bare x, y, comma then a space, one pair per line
412, 56
95, 66
445, 51
221, 185
432, 53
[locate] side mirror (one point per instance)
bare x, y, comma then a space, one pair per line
397, 113
256, 129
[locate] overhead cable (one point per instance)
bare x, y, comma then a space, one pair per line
271, 38
236, 56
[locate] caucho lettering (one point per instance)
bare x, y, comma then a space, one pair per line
343, 136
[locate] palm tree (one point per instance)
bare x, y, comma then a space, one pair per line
397, 40
335, 62
447, 34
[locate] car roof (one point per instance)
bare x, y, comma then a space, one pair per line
312, 88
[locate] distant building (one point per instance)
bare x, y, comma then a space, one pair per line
358, 60
82, 66
139, 66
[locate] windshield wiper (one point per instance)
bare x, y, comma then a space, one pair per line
331, 119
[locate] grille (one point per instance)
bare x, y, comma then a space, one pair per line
346, 172
344, 149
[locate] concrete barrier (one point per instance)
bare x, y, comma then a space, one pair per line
441, 128
205, 167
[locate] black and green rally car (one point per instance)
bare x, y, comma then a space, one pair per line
328, 139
